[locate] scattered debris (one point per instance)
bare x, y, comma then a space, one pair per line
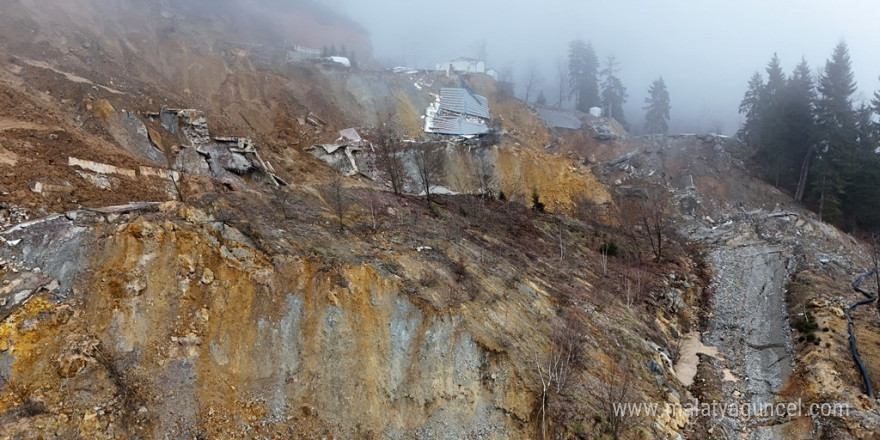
605, 129
405, 70
12, 215
313, 119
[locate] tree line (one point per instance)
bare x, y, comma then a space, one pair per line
587, 83
814, 141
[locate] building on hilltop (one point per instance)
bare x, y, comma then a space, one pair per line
463, 65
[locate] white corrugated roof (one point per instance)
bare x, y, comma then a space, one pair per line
457, 125
462, 101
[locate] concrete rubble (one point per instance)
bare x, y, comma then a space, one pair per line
224, 158
343, 153
605, 129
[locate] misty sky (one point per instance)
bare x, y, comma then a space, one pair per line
705, 50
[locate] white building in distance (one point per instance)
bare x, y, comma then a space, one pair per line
463, 65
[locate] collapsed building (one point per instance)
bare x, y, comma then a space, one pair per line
343, 153
223, 158
459, 112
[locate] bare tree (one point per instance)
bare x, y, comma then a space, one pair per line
604, 252
338, 198
633, 284
485, 172
389, 155
564, 357
532, 80
613, 396
654, 214
429, 159
374, 203
646, 219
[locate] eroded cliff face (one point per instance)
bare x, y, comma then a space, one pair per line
184, 328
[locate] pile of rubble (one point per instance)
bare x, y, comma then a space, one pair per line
223, 158
343, 153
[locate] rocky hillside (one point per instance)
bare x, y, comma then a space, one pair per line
180, 261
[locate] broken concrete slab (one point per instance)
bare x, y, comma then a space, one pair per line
192, 162
99, 180
341, 157
100, 168
313, 119
44, 188
349, 135
221, 158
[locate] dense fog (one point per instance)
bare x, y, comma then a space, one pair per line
705, 51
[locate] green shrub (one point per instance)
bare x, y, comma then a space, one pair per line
608, 248
537, 205
806, 324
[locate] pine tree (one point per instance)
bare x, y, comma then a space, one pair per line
800, 96
657, 108
773, 127
875, 104
750, 106
613, 92
862, 200
836, 133
583, 71
541, 100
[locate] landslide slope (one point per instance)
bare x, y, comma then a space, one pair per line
229, 307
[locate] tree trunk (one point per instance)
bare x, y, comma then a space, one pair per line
802, 179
